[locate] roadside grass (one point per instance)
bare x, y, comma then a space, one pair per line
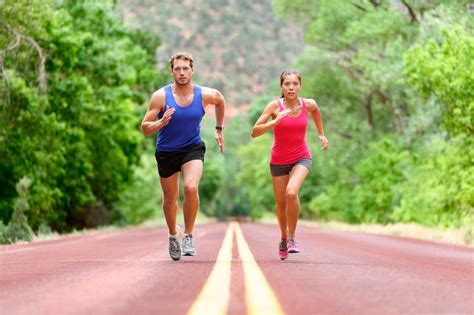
152, 223
462, 236
410, 230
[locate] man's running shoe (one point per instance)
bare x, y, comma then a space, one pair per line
293, 246
283, 248
187, 244
175, 245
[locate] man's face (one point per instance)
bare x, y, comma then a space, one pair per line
182, 72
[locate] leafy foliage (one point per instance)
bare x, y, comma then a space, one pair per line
443, 69
254, 177
77, 136
394, 81
439, 186
18, 228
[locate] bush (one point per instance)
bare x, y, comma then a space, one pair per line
18, 228
3, 233
439, 186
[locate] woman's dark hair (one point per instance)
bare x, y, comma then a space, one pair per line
288, 72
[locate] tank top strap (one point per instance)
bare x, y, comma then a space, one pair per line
197, 91
280, 105
169, 95
303, 106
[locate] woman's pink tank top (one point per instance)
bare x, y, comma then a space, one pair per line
289, 144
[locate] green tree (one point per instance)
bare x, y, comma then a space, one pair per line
74, 80
443, 69
395, 89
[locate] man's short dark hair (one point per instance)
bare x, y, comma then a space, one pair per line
182, 56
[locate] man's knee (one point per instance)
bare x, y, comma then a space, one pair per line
170, 200
281, 204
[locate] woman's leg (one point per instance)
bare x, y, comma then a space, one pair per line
279, 188
296, 179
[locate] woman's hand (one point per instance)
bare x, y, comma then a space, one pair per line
280, 116
324, 141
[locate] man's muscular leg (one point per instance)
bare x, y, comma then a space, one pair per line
170, 188
192, 172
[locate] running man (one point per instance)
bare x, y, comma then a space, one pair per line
175, 113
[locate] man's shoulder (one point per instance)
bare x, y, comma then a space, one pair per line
210, 93
208, 90
159, 93
159, 96
161, 90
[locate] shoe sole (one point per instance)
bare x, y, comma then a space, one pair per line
189, 254
176, 258
294, 251
178, 235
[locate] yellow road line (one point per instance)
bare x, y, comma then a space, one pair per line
259, 295
214, 296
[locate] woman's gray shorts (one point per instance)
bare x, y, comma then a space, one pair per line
285, 169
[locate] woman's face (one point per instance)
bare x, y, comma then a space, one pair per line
290, 87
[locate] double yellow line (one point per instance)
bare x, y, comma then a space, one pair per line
215, 294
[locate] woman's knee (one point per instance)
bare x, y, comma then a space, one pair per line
291, 194
190, 189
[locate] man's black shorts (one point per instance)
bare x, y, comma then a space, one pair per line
171, 162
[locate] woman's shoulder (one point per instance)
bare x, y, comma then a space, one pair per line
310, 103
273, 103
272, 106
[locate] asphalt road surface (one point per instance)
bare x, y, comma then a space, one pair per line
236, 271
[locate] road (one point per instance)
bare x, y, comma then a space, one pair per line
236, 271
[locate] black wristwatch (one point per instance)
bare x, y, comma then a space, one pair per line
219, 128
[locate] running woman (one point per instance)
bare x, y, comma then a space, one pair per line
290, 158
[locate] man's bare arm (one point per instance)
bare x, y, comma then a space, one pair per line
149, 124
219, 108
214, 97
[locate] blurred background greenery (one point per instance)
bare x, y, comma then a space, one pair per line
394, 80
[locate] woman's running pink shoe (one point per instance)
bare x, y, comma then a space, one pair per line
283, 248
293, 246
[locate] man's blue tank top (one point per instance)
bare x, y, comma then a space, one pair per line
184, 127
